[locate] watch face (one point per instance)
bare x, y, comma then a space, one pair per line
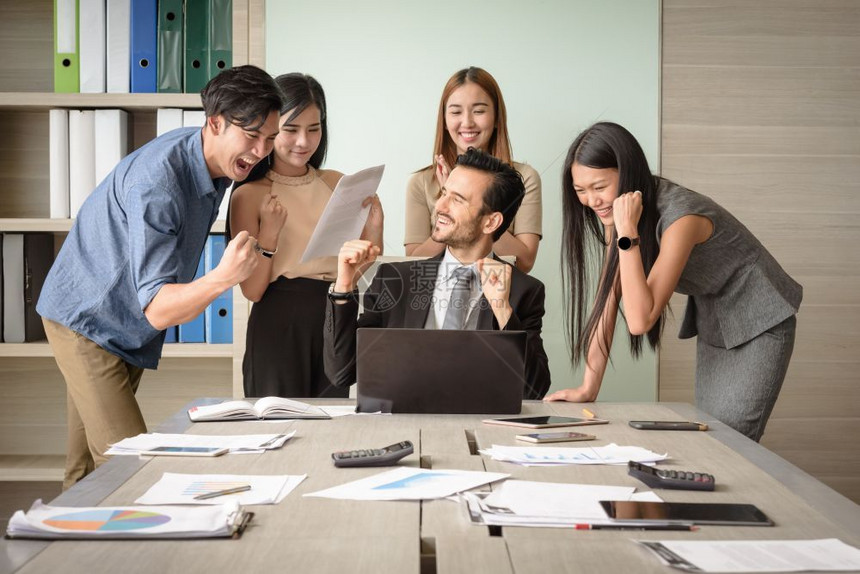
625, 243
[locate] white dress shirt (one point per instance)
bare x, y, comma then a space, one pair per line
445, 281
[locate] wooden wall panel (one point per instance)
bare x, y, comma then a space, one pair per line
812, 142
27, 46
761, 111
257, 35
24, 163
240, 32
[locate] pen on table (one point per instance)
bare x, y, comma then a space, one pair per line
233, 490
588, 414
684, 527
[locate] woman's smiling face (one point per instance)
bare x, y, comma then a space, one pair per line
596, 189
470, 117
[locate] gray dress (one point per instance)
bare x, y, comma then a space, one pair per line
741, 304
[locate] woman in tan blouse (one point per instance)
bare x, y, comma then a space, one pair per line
472, 114
284, 343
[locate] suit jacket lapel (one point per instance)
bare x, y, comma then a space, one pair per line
419, 292
485, 316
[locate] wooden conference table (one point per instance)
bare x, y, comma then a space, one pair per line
322, 535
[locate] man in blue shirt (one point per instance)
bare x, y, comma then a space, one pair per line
126, 271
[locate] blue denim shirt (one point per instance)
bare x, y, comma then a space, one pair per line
144, 226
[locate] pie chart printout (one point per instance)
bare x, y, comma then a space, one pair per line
113, 520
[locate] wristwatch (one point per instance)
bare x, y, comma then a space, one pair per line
625, 243
341, 296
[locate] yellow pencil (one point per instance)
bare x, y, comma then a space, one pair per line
588, 413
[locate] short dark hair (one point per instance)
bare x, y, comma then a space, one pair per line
300, 92
244, 95
506, 191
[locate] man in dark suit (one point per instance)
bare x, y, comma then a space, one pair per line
465, 287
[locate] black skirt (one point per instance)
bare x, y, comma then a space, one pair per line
284, 343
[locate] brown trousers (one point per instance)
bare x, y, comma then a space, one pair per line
101, 407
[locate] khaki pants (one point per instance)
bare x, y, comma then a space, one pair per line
100, 400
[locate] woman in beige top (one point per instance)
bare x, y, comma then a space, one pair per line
472, 114
284, 342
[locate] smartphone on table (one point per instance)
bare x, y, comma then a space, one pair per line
669, 425
185, 451
542, 422
561, 436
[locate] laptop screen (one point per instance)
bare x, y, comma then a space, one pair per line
440, 371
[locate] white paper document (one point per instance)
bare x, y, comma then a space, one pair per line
343, 217
826, 555
552, 455
556, 499
236, 443
547, 504
174, 488
128, 522
406, 483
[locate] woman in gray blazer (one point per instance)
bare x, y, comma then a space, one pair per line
660, 238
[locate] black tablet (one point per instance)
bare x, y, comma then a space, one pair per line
688, 512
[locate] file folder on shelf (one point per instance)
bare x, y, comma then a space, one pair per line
118, 69
170, 46
167, 119
27, 257
66, 62
170, 335
82, 163
194, 331
111, 141
58, 163
196, 45
193, 118
144, 64
91, 46
2, 290
220, 36
219, 313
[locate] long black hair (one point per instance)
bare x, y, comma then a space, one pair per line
298, 92
604, 145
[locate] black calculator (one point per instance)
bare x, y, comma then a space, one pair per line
373, 456
677, 479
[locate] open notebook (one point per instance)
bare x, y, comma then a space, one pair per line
265, 408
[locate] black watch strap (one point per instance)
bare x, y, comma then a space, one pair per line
341, 295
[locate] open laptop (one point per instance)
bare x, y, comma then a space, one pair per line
440, 371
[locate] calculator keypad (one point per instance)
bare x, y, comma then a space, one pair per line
676, 479
373, 456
